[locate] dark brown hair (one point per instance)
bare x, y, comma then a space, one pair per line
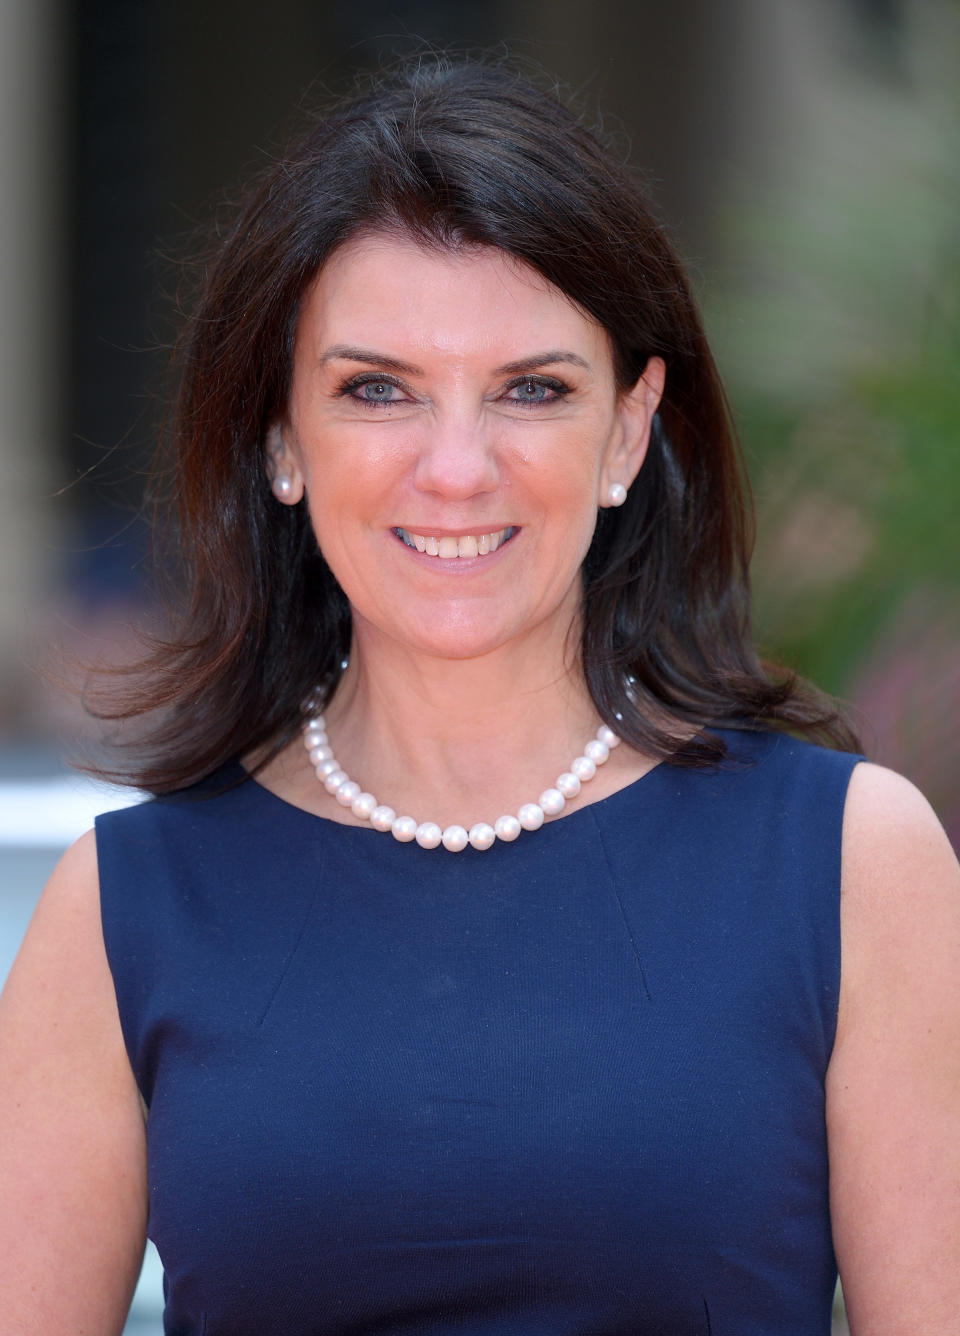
453, 152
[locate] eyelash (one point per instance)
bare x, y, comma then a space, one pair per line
348, 387
557, 387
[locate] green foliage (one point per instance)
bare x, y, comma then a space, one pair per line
837, 324
859, 507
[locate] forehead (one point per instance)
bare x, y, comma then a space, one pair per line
388, 291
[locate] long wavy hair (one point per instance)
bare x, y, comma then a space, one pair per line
453, 152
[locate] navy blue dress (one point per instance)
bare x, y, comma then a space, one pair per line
573, 1084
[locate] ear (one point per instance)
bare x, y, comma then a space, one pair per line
286, 480
631, 435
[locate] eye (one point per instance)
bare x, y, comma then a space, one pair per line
373, 390
535, 390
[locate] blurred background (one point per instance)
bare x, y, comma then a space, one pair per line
806, 155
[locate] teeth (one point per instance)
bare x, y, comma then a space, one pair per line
470, 545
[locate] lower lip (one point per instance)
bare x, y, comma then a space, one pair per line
453, 565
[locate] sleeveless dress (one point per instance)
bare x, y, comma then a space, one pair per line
571, 1085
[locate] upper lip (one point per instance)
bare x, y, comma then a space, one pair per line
431, 532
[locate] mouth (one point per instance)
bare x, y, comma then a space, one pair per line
449, 548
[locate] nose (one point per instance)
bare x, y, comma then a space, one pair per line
457, 459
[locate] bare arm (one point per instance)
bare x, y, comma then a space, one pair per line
893, 1089
73, 1192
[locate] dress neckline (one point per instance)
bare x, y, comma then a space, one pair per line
608, 803
246, 778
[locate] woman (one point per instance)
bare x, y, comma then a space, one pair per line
459, 502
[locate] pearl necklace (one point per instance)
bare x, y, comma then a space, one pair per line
428, 834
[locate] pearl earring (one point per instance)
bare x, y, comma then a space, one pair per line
616, 494
282, 486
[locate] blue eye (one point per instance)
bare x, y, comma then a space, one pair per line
377, 391
535, 390
532, 391
372, 391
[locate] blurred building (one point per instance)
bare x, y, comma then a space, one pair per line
805, 152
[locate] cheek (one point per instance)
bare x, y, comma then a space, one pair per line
338, 482
569, 487
354, 467
352, 493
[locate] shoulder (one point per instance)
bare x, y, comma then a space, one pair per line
878, 794
69, 903
896, 856
893, 1089
72, 1146
62, 963
900, 889
220, 793
900, 907
772, 749
136, 842
795, 778
59, 1010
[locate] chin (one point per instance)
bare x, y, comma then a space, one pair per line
471, 628
459, 645
454, 637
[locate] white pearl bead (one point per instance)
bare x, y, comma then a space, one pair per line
347, 792
596, 751
507, 828
552, 801
404, 829
482, 835
568, 784
455, 838
530, 816
428, 835
616, 494
364, 804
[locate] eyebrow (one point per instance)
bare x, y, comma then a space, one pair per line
348, 353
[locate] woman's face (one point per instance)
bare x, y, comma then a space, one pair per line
454, 422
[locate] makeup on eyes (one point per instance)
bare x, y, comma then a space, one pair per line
557, 389
347, 388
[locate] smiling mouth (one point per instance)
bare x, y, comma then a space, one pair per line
468, 545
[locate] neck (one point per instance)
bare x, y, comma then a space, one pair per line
458, 740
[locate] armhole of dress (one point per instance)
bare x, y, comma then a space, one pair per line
837, 983
123, 1012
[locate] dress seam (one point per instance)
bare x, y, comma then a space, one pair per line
623, 914
294, 950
